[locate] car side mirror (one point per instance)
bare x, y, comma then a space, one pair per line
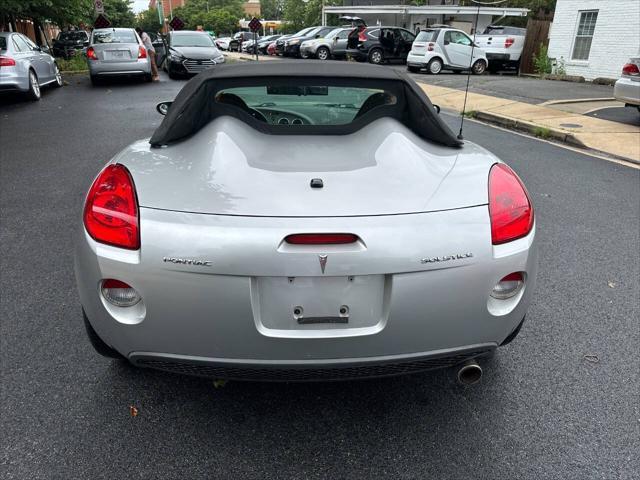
318, 35
163, 107
447, 42
437, 107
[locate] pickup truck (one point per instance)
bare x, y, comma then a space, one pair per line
503, 46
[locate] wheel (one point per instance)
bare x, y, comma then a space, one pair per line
376, 57
304, 56
323, 53
58, 83
479, 67
34, 87
148, 78
97, 343
413, 69
172, 75
434, 66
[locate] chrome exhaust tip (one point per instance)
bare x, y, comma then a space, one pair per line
469, 373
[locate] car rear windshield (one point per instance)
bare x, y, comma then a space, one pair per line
427, 36
500, 30
193, 40
287, 104
72, 36
114, 36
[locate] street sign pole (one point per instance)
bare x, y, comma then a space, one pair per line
255, 43
255, 27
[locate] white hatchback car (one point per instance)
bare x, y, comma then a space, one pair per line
437, 49
627, 88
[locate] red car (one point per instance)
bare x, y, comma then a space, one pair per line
271, 49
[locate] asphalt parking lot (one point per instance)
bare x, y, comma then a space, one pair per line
561, 401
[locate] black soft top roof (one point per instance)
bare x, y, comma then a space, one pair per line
194, 106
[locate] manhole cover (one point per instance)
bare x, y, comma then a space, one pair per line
571, 125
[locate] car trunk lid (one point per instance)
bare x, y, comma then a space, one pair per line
228, 168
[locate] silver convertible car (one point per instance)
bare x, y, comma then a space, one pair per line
297, 221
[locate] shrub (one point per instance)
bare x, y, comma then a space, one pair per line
541, 60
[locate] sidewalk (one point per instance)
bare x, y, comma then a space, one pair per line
612, 138
247, 57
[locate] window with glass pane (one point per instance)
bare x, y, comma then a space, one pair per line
584, 35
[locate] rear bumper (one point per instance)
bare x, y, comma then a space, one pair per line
314, 370
627, 90
139, 67
238, 311
418, 60
12, 80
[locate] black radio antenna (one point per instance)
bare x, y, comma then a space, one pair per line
473, 46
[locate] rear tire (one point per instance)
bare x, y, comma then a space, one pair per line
323, 53
434, 67
479, 67
95, 81
34, 87
58, 83
97, 343
148, 78
376, 56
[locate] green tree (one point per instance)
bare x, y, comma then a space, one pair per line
148, 20
119, 13
271, 9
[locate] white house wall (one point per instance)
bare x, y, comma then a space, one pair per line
616, 36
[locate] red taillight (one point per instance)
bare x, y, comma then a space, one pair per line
509, 41
631, 69
430, 47
91, 54
7, 62
111, 211
509, 206
142, 52
321, 238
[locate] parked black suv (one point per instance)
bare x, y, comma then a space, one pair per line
380, 44
291, 46
69, 43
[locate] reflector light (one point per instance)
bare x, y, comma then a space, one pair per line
91, 54
7, 62
509, 286
321, 238
510, 210
631, 69
509, 41
119, 293
111, 210
142, 52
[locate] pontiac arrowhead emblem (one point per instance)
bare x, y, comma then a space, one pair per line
323, 262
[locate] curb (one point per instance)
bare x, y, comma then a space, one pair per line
577, 100
554, 134
530, 128
74, 72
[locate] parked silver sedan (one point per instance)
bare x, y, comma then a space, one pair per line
305, 221
25, 67
116, 52
627, 88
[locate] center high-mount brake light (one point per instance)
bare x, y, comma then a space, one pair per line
91, 54
111, 211
510, 210
321, 238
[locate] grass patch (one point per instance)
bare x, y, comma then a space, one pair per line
471, 113
76, 63
542, 132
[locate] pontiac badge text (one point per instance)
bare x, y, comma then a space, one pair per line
187, 261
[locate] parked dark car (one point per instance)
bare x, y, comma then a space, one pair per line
235, 44
264, 42
69, 43
291, 46
380, 44
191, 52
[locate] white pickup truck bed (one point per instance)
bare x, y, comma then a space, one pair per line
503, 46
